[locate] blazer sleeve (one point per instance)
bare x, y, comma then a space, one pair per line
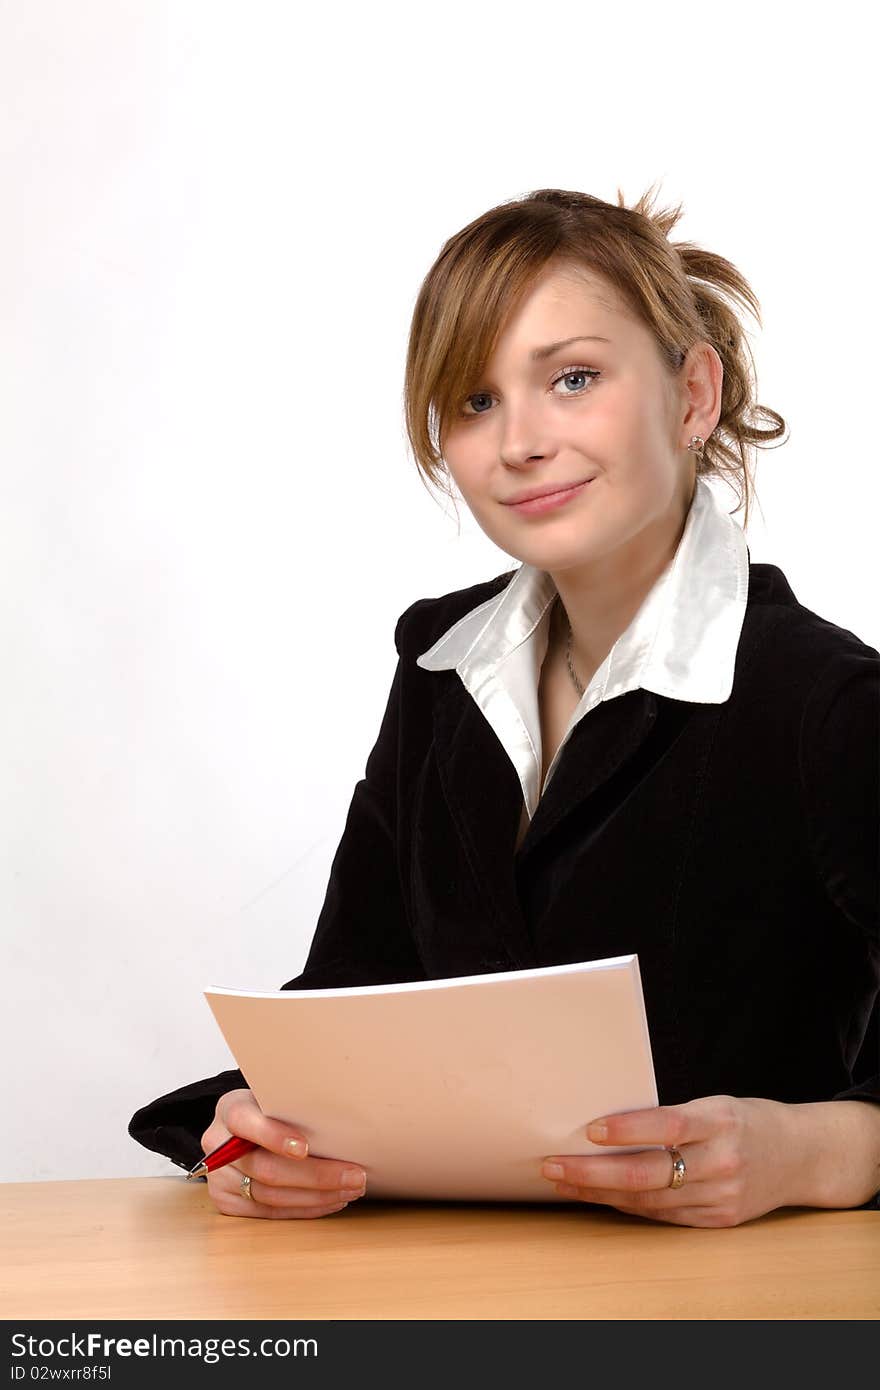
362, 935
840, 779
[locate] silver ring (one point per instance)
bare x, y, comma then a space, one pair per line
679, 1168
244, 1187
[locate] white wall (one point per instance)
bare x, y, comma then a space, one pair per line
215, 219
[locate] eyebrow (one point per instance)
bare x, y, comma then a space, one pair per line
540, 353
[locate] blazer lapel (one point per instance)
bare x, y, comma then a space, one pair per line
603, 744
485, 798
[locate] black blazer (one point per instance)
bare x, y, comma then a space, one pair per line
733, 846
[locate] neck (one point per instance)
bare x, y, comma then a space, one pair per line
600, 600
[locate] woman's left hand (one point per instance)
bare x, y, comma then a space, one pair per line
738, 1152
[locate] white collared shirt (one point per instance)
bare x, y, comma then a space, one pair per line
681, 643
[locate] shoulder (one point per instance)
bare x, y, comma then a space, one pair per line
782, 635
420, 625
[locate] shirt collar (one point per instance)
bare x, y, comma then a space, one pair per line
681, 643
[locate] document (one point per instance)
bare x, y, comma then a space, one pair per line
453, 1089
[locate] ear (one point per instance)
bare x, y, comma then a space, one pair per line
700, 381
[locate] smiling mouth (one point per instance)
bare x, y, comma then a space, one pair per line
548, 501
553, 492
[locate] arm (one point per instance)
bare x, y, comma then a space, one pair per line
746, 1156
840, 1144
839, 760
362, 934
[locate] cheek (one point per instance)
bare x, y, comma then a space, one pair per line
626, 408
467, 470
628, 437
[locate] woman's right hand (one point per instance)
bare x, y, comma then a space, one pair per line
284, 1183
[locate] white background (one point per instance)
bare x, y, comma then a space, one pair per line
215, 220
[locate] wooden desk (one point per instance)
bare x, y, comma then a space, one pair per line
156, 1248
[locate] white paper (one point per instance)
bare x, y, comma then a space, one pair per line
452, 1089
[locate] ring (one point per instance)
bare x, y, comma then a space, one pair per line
244, 1187
679, 1168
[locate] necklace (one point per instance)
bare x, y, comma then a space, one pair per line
571, 671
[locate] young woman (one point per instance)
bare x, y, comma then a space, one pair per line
635, 741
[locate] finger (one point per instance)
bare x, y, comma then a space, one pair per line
240, 1113
635, 1172
225, 1188
237, 1112
301, 1213
235, 1205
286, 1195
657, 1199
321, 1174
706, 1205
669, 1125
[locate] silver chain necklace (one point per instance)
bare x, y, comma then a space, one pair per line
571, 671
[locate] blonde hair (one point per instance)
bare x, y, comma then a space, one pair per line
678, 290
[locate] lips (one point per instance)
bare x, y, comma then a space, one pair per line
547, 491
550, 501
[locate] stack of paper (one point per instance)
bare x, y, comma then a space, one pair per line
451, 1089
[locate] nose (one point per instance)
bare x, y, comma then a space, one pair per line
524, 437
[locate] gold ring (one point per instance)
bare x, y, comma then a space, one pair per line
679, 1168
244, 1187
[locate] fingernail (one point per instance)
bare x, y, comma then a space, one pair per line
597, 1131
353, 1178
553, 1170
299, 1147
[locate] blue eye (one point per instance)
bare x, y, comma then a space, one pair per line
561, 376
575, 371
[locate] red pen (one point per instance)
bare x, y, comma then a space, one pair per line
218, 1158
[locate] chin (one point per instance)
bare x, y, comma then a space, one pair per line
562, 552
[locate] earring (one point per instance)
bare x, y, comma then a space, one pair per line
697, 445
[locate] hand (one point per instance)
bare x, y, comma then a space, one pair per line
285, 1182
740, 1162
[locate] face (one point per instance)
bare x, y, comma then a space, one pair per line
603, 409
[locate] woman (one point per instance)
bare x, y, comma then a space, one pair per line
635, 741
